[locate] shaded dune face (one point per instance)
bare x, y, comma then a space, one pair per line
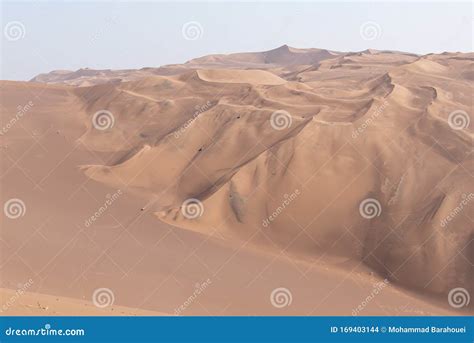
354, 156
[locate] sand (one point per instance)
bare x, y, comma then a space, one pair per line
281, 150
34, 304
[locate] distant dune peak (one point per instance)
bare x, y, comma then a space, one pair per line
283, 48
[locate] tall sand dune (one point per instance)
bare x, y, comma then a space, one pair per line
324, 171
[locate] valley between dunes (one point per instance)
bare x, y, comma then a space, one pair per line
321, 172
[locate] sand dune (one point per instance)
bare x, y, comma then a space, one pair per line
281, 150
33, 304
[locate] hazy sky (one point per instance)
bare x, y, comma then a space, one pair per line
38, 37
